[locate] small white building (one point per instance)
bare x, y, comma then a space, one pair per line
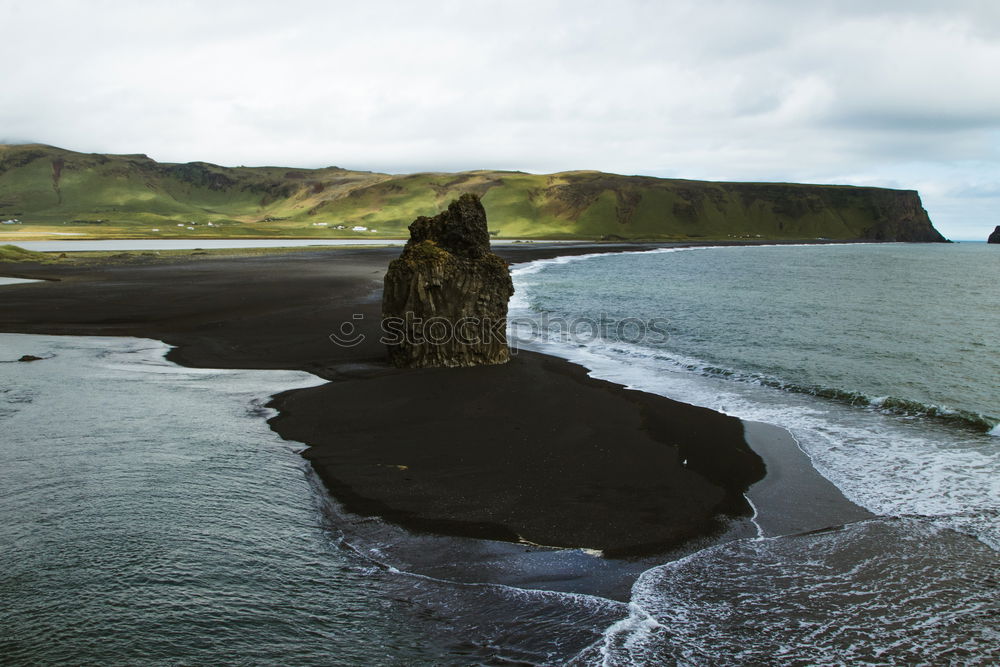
359, 228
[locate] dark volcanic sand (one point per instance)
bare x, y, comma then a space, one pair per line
532, 449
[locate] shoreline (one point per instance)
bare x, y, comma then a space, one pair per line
236, 313
445, 461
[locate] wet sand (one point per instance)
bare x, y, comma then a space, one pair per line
533, 450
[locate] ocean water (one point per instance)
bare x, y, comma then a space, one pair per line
880, 360
148, 515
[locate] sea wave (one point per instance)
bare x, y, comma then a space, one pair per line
537, 265
842, 596
888, 405
919, 459
900, 406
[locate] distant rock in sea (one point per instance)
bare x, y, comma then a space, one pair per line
30, 357
995, 236
445, 298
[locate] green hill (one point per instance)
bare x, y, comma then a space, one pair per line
54, 191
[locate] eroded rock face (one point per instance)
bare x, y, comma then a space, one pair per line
444, 301
995, 236
897, 215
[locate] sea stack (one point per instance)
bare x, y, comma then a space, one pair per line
444, 301
995, 236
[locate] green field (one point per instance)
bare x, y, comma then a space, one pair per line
54, 193
11, 253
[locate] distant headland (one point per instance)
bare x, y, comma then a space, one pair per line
48, 190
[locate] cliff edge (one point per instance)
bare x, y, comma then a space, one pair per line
48, 190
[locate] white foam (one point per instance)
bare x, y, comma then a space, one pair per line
841, 597
909, 468
889, 465
528, 268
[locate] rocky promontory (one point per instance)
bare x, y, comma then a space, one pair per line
444, 301
49, 189
995, 236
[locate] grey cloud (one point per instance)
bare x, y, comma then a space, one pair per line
918, 120
767, 90
978, 191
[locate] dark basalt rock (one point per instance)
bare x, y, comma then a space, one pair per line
444, 301
995, 236
898, 215
30, 357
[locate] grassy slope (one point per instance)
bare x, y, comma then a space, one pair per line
53, 190
12, 253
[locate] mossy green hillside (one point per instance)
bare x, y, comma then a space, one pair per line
50, 190
12, 253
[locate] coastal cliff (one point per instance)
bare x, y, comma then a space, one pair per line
47, 190
995, 236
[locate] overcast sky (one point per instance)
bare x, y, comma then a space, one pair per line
896, 94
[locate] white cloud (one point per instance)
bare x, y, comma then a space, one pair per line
902, 94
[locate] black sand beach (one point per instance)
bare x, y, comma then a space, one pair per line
533, 450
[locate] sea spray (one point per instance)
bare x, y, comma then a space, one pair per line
843, 596
929, 467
